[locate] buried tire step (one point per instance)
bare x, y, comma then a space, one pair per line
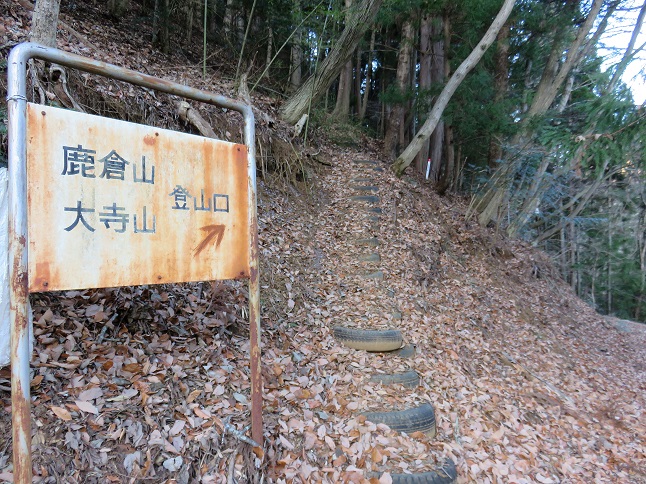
372, 257
375, 276
371, 242
369, 339
406, 351
365, 198
419, 419
409, 379
446, 474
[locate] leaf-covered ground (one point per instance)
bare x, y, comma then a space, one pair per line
151, 384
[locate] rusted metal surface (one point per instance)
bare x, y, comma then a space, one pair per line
254, 315
18, 293
120, 204
18, 253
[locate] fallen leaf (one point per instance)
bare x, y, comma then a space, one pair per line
173, 464
90, 394
86, 407
386, 478
62, 413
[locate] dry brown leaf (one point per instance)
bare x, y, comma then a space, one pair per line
86, 407
62, 413
90, 394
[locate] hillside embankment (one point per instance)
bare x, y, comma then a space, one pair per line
151, 383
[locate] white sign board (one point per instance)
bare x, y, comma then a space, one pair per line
112, 203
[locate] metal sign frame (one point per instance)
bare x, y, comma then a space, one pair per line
18, 235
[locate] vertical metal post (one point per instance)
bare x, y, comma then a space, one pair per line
18, 273
18, 278
254, 283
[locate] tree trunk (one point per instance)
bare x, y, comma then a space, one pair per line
573, 257
446, 181
155, 33
532, 201
439, 73
316, 86
523, 216
213, 23
342, 107
548, 87
562, 239
382, 105
228, 19
410, 125
424, 80
641, 244
270, 46
395, 121
366, 93
295, 79
566, 94
550, 83
469, 63
44, 21
190, 8
628, 53
357, 82
609, 271
240, 27
164, 28
118, 8
501, 84
578, 202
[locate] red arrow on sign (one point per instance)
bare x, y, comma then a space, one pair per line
212, 232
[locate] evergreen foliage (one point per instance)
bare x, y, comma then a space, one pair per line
570, 178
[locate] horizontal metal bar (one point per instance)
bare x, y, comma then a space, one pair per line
17, 103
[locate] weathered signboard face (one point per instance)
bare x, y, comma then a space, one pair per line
113, 203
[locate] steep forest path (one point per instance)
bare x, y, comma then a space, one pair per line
151, 383
528, 384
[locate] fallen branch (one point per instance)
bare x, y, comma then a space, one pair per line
29, 6
192, 116
232, 467
239, 434
58, 75
510, 360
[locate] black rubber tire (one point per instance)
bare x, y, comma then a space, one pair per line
369, 339
365, 198
366, 188
372, 257
447, 474
410, 379
372, 242
365, 162
419, 419
375, 276
406, 351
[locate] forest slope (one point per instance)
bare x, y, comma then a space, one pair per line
528, 383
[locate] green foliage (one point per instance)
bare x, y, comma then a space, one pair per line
393, 95
342, 133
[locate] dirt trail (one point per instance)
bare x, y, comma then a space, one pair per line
528, 383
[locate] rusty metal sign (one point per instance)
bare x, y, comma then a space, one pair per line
113, 203
95, 202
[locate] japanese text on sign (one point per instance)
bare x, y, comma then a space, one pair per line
126, 204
